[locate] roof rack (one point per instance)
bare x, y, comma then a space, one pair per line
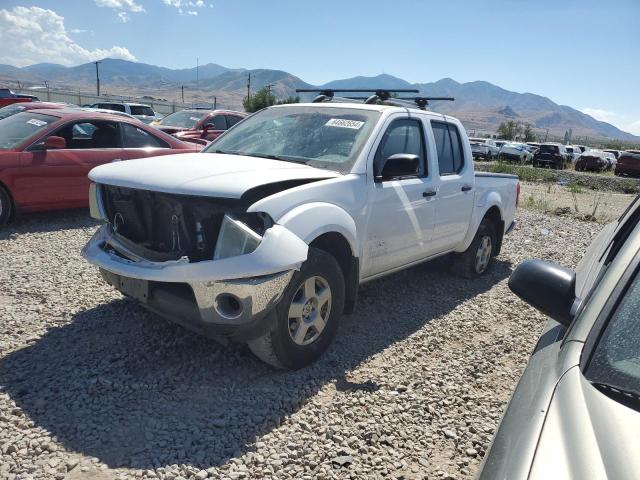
380, 95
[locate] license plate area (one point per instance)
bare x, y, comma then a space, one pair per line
135, 288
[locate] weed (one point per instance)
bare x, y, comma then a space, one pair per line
574, 188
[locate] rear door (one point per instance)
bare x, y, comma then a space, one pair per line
59, 177
401, 214
139, 142
455, 193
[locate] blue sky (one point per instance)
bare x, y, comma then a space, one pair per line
579, 53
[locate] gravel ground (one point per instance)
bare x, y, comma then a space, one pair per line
94, 387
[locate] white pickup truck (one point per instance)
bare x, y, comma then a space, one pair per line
265, 236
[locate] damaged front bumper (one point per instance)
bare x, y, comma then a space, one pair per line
228, 297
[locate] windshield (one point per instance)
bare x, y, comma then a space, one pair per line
183, 119
324, 137
549, 149
16, 128
10, 110
476, 140
615, 361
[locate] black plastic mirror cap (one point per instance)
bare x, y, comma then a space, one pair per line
547, 286
399, 165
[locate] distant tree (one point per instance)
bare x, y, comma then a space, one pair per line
566, 137
259, 100
527, 133
288, 100
509, 130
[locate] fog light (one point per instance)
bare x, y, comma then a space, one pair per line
228, 306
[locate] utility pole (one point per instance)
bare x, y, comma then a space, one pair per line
182, 88
46, 84
546, 135
215, 103
269, 91
249, 87
97, 78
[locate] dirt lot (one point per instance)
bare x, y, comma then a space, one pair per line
94, 387
574, 201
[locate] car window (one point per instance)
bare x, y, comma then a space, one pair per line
449, 148
90, 134
183, 119
141, 110
549, 149
218, 122
232, 120
402, 136
614, 365
118, 107
136, 137
17, 128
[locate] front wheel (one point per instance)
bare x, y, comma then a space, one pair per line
476, 259
307, 316
5, 207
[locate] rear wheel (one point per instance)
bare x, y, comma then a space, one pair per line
6, 207
476, 259
307, 316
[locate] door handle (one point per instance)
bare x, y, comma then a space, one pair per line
466, 188
429, 193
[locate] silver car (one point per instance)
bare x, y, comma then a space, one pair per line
575, 413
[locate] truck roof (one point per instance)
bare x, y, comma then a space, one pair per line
365, 106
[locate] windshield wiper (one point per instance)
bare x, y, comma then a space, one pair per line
624, 396
275, 157
230, 152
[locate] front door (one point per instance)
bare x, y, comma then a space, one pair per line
58, 178
401, 216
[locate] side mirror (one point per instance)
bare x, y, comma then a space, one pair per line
398, 165
549, 287
54, 143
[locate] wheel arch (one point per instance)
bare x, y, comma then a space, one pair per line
492, 210
14, 205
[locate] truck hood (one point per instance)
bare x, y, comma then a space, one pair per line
204, 174
587, 435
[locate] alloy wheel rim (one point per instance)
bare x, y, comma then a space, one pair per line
483, 254
309, 310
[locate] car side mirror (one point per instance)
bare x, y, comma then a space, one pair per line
54, 143
547, 286
398, 165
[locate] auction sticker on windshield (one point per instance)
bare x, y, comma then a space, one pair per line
36, 122
342, 123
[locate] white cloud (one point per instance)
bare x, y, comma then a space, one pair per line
34, 35
77, 30
183, 5
124, 17
128, 5
622, 122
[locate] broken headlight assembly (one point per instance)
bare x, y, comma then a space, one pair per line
238, 238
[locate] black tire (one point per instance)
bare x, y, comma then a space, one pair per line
489, 156
6, 207
464, 264
277, 347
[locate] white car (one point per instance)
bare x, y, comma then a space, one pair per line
265, 237
574, 152
140, 111
484, 148
515, 152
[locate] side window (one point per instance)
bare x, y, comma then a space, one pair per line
136, 137
90, 134
232, 120
449, 148
402, 136
218, 122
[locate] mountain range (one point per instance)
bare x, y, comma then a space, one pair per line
480, 105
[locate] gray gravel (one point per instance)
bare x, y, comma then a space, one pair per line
92, 386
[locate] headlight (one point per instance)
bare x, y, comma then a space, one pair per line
95, 203
235, 239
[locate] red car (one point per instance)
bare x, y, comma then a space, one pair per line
22, 106
204, 124
45, 155
7, 97
628, 164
